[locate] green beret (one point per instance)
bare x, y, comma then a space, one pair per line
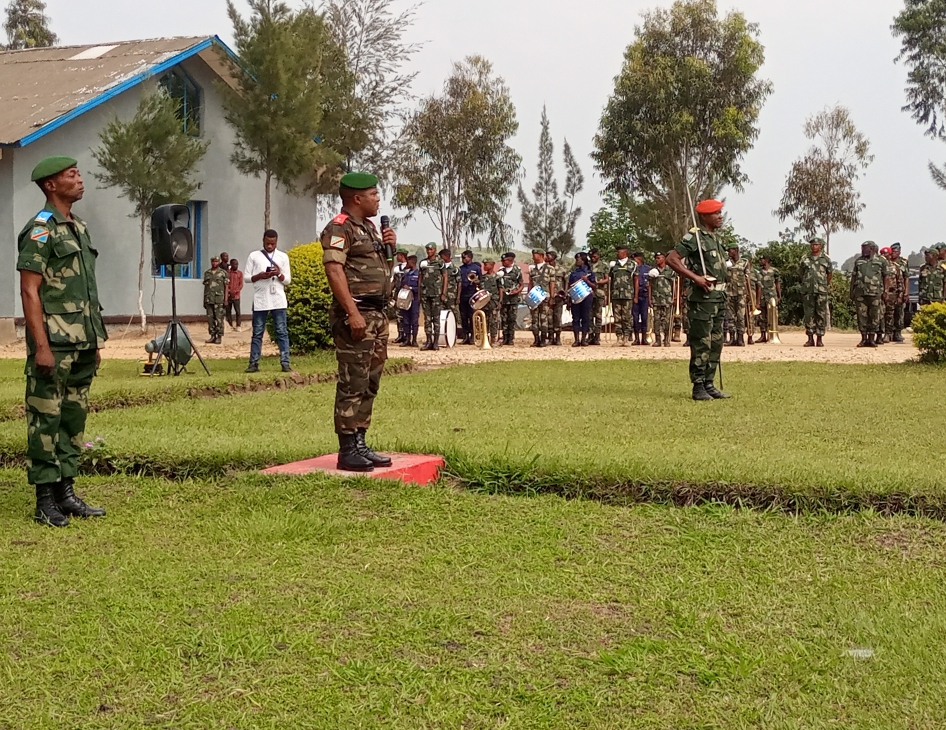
538, 250
402, 250
430, 246
52, 166
359, 181
489, 261
940, 246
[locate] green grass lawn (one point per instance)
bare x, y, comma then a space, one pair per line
801, 435
311, 603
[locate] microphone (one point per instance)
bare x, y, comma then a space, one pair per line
388, 248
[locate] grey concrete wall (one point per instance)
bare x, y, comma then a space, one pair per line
234, 206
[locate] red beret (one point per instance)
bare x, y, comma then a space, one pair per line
708, 207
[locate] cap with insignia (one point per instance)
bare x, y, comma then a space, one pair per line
551, 251
52, 166
816, 239
402, 250
358, 181
431, 246
508, 255
538, 250
708, 207
895, 247
940, 246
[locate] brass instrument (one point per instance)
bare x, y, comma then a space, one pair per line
773, 322
752, 311
676, 320
473, 278
649, 336
481, 330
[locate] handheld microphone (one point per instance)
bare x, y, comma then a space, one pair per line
388, 248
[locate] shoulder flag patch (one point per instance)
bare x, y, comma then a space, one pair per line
340, 218
337, 242
40, 234
43, 216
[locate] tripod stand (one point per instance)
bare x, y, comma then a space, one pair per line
177, 360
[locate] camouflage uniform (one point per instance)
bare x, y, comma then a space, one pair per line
736, 295
356, 245
705, 308
509, 279
931, 283
622, 297
769, 280
57, 405
560, 275
867, 288
893, 293
813, 273
431, 287
490, 283
899, 317
215, 288
542, 275
397, 274
661, 299
601, 272
453, 288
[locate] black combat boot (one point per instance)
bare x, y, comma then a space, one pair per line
863, 342
740, 342
350, 457
714, 392
820, 342
898, 336
369, 453
535, 340
699, 392
749, 340
47, 511
71, 505
435, 343
558, 338
399, 339
763, 338
577, 342
584, 340
811, 341
879, 339
870, 340
544, 340
656, 340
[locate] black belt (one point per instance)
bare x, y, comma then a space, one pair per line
370, 304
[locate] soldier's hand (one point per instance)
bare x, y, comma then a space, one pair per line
703, 283
45, 362
358, 326
389, 236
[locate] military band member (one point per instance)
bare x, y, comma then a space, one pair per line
660, 286
867, 288
768, 287
510, 278
736, 296
707, 299
932, 279
490, 282
433, 294
900, 307
602, 272
560, 275
542, 275
467, 289
400, 266
360, 279
410, 279
624, 290
815, 271
641, 307
452, 300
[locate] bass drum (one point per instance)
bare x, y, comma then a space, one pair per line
448, 329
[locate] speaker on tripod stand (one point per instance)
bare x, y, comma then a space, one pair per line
172, 244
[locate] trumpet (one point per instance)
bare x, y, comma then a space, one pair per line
473, 278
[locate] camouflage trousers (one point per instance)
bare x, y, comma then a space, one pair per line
869, 313
816, 313
623, 317
899, 316
597, 315
706, 339
542, 319
56, 408
662, 322
509, 311
431, 308
215, 317
491, 311
360, 365
558, 307
736, 309
890, 316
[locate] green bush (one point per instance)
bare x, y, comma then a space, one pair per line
929, 332
309, 301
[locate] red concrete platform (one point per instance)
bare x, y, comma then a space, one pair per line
408, 468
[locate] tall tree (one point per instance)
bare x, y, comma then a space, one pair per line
623, 220
152, 161
455, 163
820, 192
27, 26
287, 61
921, 27
685, 109
547, 219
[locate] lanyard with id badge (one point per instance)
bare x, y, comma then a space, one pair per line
272, 282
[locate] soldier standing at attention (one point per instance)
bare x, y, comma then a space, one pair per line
216, 281
701, 258
433, 294
510, 280
400, 266
602, 284
452, 300
624, 282
890, 297
899, 316
769, 287
641, 307
557, 306
541, 274
410, 279
660, 284
64, 336
932, 279
360, 279
490, 282
867, 288
941, 252
736, 290
815, 272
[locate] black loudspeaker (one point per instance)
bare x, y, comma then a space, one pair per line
171, 239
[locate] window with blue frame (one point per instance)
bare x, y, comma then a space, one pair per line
193, 270
186, 93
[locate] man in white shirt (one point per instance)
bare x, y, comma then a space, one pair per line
268, 271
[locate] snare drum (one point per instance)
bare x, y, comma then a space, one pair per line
405, 298
579, 291
536, 296
480, 300
448, 329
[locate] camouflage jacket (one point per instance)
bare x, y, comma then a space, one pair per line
813, 272
931, 283
215, 286
893, 277
431, 277
769, 279
490, 283
867, 278
356, 245
509, 280
714, 254
601, 271
541, 275
453, 282
622, 279
61, 250
738, 272
661, 286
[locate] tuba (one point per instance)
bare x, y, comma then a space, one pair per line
481, 330
772, 316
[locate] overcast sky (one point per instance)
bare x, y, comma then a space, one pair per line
565, 55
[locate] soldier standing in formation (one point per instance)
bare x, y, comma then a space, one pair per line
559, 275
815, 271
216, 281
542, 275
467, 290
900, 308
769, 287
701, 257
867, 288
932, 279
641, 308
602, 285
736, 293
452, 299
64, 336
624, 283
433, 294
660, 289
360, 279
893, 293
510, 281
410, 279
400, 266
490, 282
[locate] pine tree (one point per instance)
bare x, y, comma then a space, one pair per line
27, 26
